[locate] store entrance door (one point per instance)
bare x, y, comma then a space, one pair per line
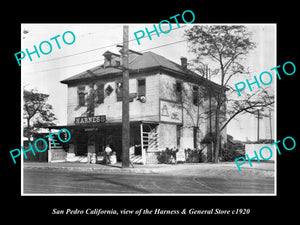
82, 145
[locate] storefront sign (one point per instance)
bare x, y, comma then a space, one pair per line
90, 120
170, 112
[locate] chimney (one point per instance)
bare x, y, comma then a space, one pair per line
183, 62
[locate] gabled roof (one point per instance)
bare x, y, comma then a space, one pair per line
145, 62
109, 53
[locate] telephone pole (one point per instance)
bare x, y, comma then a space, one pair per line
125, 100
270, 120
258, 118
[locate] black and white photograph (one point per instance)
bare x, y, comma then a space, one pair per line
149, 109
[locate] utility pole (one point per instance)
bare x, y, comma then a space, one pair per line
270, 119
258, 118
125, 100
208, 78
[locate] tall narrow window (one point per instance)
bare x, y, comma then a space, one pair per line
81, 99
100, 93
178, 88
141, 90
81, 95
195, 95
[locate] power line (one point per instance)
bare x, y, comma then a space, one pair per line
176, 42
95, 49
80, 64
63, 67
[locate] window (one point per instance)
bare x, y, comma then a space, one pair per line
141, 90
81, 99
195, 95
108, 90
100, 93
118, 63
81, 95
119, 91
178, 88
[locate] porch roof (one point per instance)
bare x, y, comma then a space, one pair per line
106, 124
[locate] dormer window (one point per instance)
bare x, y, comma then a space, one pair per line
118, 63
111, 59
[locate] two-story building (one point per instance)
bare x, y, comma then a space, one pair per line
168, 107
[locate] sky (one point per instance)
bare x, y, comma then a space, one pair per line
92, 40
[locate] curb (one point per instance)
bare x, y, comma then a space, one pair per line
93, 169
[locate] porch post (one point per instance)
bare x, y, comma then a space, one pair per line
142, 145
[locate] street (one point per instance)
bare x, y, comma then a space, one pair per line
70, 182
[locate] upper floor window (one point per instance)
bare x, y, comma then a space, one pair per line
81, 95
141, 87
195, 95
81, 99
100, 93
178, 90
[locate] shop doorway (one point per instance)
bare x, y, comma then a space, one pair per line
81, 143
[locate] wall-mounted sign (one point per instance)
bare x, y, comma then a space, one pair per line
170, 112
90, 120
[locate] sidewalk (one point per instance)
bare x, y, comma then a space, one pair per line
99, 168
224, 169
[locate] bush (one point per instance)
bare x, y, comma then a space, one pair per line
231, 155
194, 155
167, 156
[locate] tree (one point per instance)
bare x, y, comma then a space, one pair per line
36, 106
225, 46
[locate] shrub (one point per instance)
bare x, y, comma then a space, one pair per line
167, 156
194, 155
231, 155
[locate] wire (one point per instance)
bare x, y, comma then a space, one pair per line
80, 64
95, 49
163, 45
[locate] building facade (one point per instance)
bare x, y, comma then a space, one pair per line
168, 108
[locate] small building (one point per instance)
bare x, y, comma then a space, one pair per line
168, 107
